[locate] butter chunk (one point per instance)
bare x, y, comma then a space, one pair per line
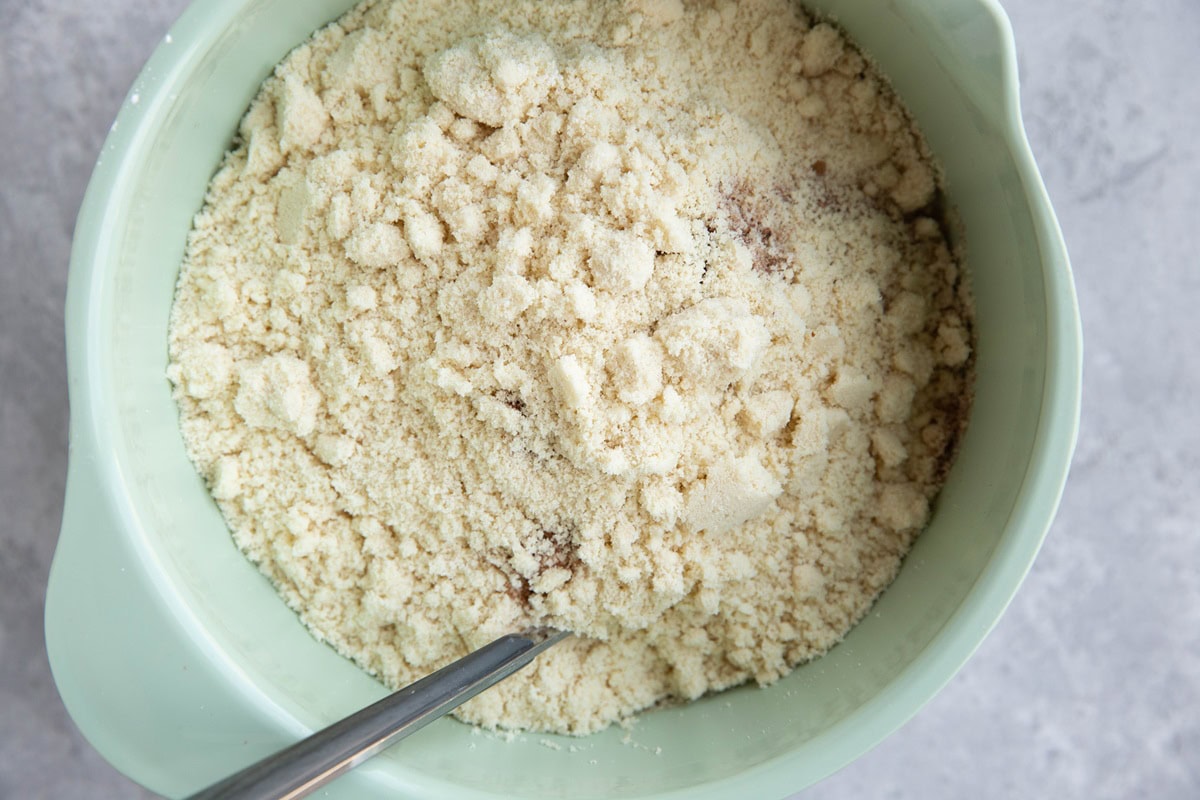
494, 79
768, 413
733, 492
506, 298
621, 262
334, 450
820, 50
226, 478
300, 116
291, 209
853, 389
902, 506
570, 382
379, 245
206, 371
636, 369
662, 12
277, 392
424, 233
715, 342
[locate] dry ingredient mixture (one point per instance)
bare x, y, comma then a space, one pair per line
635, 319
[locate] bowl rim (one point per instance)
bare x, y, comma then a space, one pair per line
1033, 510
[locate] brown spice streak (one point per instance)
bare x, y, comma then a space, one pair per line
512, 400
556, 550
747, 223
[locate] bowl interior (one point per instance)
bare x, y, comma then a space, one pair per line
948, 61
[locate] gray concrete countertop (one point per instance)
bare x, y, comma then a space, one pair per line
1089, 686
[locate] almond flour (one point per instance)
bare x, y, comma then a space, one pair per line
634, 319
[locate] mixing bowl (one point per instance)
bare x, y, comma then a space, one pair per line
180, 664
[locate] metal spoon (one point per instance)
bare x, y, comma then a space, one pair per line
311, 763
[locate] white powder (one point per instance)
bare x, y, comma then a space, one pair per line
631, 319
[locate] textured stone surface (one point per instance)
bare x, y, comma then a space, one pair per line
1090, 685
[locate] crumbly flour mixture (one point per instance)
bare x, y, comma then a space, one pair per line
631, 318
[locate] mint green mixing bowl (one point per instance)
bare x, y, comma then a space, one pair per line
180, 664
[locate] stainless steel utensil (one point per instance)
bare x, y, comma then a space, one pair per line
311, 763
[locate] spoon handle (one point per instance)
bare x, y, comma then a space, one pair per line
311, 763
